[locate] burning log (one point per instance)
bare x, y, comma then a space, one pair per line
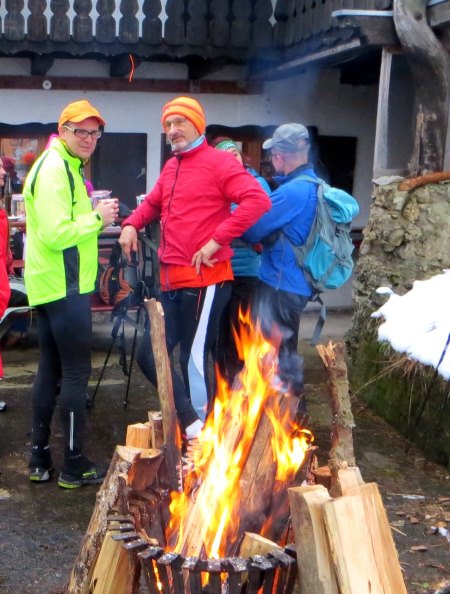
261, 494
171, 431
341, 453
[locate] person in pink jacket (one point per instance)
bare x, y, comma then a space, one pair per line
192, 200
5, 263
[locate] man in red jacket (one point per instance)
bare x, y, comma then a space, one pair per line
192, 200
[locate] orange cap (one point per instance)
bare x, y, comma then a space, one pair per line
79, 111
189, 108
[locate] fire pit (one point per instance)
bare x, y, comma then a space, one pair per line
170, 573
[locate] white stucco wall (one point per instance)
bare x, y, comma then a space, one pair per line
315, 98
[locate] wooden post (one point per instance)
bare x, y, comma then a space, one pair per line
341, 453
171, 431
429, 63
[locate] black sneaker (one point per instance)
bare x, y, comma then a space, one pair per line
80, 472
40, 467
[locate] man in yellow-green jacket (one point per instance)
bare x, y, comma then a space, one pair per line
60, 274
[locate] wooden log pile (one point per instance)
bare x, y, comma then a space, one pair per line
343, 539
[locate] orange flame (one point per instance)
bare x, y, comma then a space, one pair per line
211, 499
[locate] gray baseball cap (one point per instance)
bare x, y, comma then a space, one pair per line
286, 138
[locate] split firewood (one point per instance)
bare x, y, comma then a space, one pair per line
315, 568
361, 543
342, 452
382, 542
429, 178
111, 497
254, 544
114, 572
351, 547
171, 432
138, 435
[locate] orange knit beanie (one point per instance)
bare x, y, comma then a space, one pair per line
189, 108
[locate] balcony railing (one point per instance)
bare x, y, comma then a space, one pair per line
152, 26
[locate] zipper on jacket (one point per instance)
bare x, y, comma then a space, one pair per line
178, 157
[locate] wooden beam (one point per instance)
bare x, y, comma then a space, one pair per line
429, 63
137, 85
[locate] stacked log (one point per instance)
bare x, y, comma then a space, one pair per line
343, 539
344, 545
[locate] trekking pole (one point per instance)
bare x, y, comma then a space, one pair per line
114, 332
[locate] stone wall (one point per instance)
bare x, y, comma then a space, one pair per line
407, 238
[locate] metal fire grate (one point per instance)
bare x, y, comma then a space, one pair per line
170, 573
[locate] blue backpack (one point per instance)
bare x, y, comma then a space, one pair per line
326, 256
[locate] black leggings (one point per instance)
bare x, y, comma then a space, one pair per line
65, 336
191, 319
281, 311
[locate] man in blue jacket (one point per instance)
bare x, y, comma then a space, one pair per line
284, 290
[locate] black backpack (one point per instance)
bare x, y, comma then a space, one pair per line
119, 284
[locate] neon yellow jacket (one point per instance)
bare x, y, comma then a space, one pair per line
61, 228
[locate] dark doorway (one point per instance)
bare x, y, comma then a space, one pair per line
333, 157
119, 164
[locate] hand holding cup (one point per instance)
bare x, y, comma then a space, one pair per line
108, 209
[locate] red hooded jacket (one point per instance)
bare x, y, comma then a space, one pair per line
192, 199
